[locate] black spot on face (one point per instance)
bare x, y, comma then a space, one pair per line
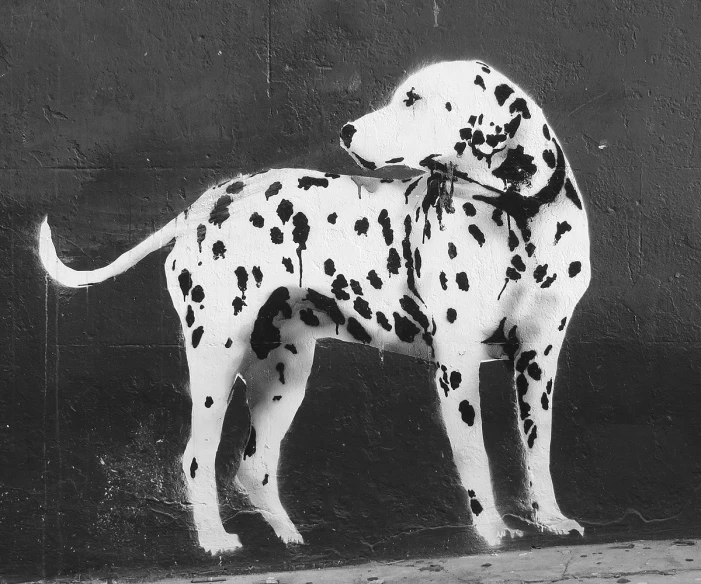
257, 275
190, 316
476, 233
193, 467
197, 336
197, 294
574, 269
374, 279
361, 226
451, 315
329, 267
562, 228
502, 93
357, 331
257, 220
479, 81
467, 412
411, 97
276, 236
250, 449
273, 190
517, 168
362, 307
185, 281
218, 250
462, 281
452, 250
284, 211
287, 262
306, 182
332, 218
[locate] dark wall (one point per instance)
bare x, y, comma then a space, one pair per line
115, 116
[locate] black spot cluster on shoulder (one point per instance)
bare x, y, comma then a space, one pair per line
479, 81
306, 182
502, 93
218, 250
235, 187
285, 211
562, 228
361, 226
257, 220
411, 97
266, 336
476, 232
220, 211
287, 262
329, 267
574, 269
374, 280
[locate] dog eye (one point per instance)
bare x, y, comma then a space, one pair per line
411, 97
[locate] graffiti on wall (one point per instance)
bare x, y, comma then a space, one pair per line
481, 256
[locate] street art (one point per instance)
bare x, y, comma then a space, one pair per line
481, 256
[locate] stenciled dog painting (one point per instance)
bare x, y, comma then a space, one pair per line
483, 256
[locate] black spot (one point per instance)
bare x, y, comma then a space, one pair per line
562, 228
173, 267
362, 307
524, 359
355, 286
365, 163
306, 182
291, 348
329, 267
276, 236
477, 138
284, 211
347, 132
502, 93
451, 315
574, 269
266, 336
190, 316
185, 281
521, 390
277, 397
520, 105
534, 371
443, 280
386, 180
374, 279
572, 195
530, 248
197, 336
220, 211
549, 158
265, 479
235, 187
287, 262
472, 120
455, 379
410, 188
218, 249
251, 444
228, 343
517, 168
512, 274
476, 233
527, 425
257, 275
448, 106
273, 190
548, 281
193, 467
417, 262
563, 322
497, 217
241, 280
409, 306
300, 234
280, 368
332, 218
404, 328
452, 250
544, 401
257, 220
331, 175
512, 127
394, 160
467, 412
427, 229
411, 97
460, 147
547, 350
338, 287
546, 132
540, 272
197, 294
475, 506
393, 261
533, 435
326, 305
513, 241
517, 262
361, 226
466, 133
208, 402
479, 81
549, 386
201, 234
387, 232
357, 331
238, 305
462, 281
382, 321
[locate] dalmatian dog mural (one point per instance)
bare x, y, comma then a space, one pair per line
482, 256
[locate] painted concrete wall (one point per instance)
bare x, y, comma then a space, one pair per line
116, 118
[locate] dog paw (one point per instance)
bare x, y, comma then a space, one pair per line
494, 530
557, 524
222, 544
291, 538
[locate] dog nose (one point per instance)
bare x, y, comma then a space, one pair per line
347, 132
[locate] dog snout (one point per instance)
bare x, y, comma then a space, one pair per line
347, 132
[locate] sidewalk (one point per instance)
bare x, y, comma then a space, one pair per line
639, 562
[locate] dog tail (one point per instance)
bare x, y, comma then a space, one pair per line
77, 279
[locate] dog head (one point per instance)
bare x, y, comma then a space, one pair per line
461, 115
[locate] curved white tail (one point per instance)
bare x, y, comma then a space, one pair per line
77, 279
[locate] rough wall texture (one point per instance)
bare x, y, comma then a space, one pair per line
116, 116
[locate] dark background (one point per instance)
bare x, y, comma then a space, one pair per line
116, 115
